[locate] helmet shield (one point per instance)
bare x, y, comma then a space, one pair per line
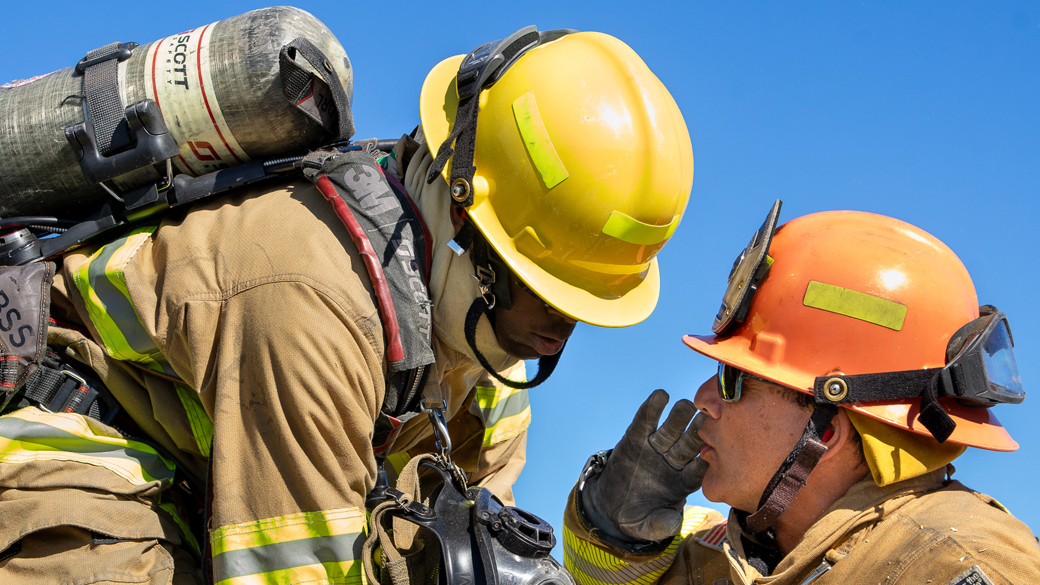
749, 269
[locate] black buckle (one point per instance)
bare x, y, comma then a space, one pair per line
65, 400
121, 51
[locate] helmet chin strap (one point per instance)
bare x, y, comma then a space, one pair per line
792, 474
493, 290
546, 364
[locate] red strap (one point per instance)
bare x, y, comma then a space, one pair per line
394, 349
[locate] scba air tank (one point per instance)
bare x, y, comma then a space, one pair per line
221, 92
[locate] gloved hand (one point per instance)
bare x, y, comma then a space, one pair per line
642, 490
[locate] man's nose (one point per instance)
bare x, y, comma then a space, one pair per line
707, 398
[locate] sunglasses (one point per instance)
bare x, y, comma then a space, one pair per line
730, 382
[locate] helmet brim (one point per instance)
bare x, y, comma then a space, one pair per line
438, 103
976, 427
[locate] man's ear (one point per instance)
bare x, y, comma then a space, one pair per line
838, 435
456, 218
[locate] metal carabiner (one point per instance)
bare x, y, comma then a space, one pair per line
442, 442
440, 430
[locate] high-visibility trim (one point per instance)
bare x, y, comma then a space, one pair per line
320, 546
612, 268
536, 139
101, 282
30, 435
171, 509
201, 423
591, 565
855, 304
506, 412
346, 573
398, 460
631, 230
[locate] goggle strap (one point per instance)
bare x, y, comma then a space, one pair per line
459, 146
926, 384
793, 472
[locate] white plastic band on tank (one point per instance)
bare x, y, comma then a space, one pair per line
181, 83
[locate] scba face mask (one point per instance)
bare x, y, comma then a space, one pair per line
463, 536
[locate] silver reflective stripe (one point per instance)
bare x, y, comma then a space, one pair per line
286, 555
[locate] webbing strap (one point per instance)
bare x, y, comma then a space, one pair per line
298, 84
60, 390
464, 138
793, 472
103, 103
546, 363
907, 384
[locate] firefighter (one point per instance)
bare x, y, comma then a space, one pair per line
245, 347
855, 365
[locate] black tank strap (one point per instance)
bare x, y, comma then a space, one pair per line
104, 106
307, 91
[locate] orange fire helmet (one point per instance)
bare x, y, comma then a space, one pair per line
842, 299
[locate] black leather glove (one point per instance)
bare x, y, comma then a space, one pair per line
641, 492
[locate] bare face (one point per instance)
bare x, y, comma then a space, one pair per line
530, 329
746, 441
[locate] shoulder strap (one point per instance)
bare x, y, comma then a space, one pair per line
387, 229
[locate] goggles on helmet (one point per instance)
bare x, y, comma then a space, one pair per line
983, 370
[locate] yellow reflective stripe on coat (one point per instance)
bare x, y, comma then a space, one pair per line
171, 509
30, 435
101, 283
506, 412
201, 423
323, 547
591, 565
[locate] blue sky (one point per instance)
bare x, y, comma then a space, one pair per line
925, 111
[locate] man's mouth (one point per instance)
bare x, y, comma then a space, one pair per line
546, 345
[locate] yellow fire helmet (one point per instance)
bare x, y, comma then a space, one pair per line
571, 159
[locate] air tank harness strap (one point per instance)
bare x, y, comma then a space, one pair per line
57, 386
406, 495
103, 104
310, 92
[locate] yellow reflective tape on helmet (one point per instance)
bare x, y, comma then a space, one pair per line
843, 301
536, 139
30, 435
201, 423
612, 268
631, 230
